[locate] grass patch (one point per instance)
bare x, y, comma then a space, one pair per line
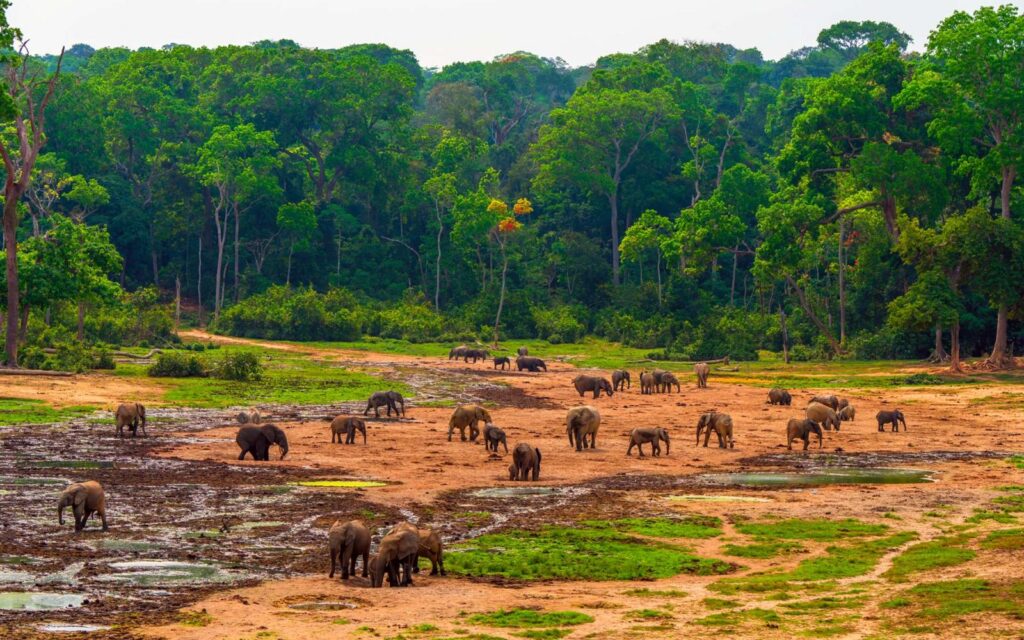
690, 527
763, 550
648, 614
559, 552
717, 604
543, 634
1007, 539
956, 598
343, 484
944, 552
819, 529
528, 619
736, 618
822, 605
15, 411
195, 619
473, 518
1017, 461
980, 515
654, 593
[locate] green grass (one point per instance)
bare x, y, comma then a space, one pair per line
529, 619
820, 606
473, 518
648, 614
543, 634
736, 618
654, 593
763, 550
15, 411
1017, 461
689, 527
578, 553
935, 554
957, 598
195, 619
820, 530
1005, 539
717, 604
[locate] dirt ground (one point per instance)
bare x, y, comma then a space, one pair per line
429, 478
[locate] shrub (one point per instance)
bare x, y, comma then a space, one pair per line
888, 343
244, 367
176, 364
73, 356
559, 324
103, 359
412, 322
35, 358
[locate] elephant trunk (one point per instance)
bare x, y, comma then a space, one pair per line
60, 513
667, 445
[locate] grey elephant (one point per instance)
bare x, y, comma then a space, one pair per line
894, 417
397, 401
431, 547
653, 435
494, 436
457, 352
346, 541
779, 396
647, 383
581, 422
85, 499
249, 417
503, 362
347, 426
380, 399
843, 403
257, 440
829, 401
525, 463
595, 384
702, 369
522, 351
667, 380
131, 415
721, 424
823, 415
620, 380
530, 363
847, 413
475, 354
658, 375
802, 429
468, 415
395, 555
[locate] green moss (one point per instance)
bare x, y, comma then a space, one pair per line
648, 614
981, 515
821, 529
763, 549
1017, 461
528, 618
944, 552
15, 411
655, 593
818, 606
688, 527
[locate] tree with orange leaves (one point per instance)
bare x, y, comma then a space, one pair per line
506, 225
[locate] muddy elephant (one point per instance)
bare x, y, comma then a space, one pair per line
721, 424
397, 401
380, 399
475, 354
802, 429
525, 463
847, 413
493, 436
702, 369
530, 363
829, 401
131, 415
653, 435
823, 415
620, 380
647, 383
249, 417
522, 351
667, 380
894, 417
347, 426
430, 547
85, 499
457, 352
503, 363
595, 384
843, 403
395, 554
467, 415
581, 422
346, 541
779, 396
257, 440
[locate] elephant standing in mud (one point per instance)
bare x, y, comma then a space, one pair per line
894, 417
823, 415
493, 436
131, 415
780, 396
530, 363
85, 499
387, 399
347, 426
346, 541
503, 362
525, 463
257, 440
595, 384
431, 547
395, 555
667, 380
653, 435
721, 424
647, 383
581, 422
802, 429
468, 415
620, 380
702, 369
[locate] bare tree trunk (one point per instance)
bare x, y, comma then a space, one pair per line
613, 202
735, 263
288, 275
999, 358
785, 335
236, 253
437, 261
954, 347
938, 353
842, 281
11, 245
657, 268
177, 303
199, 279
501, 297
802, 297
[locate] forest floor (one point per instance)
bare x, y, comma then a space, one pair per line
755, 541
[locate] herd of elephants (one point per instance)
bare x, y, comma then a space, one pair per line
399, 550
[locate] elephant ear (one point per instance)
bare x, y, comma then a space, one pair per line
80, 494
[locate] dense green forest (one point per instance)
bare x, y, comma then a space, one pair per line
851, 199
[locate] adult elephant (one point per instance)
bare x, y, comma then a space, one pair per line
620, 380
780, 396
530, 363
395, 555
581, 422
823, 415
347, 541
85, 499
894, 417
257, 440
468, 415
131, 415
525, 463
380, 399
721, 424
829, 401
347, 426
457, 352
594, 384
702, 369
653, 435
669, 379
475, 354
647, 383
433, 549
397, 401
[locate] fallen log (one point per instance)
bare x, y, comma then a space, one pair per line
34, 372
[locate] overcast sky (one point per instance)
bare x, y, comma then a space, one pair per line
443, 31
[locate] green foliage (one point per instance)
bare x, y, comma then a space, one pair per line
957, 598
763, 550
175, 364
528, 618
820, 529
16, 411
560, 323
242, 366
944, 552
687, 527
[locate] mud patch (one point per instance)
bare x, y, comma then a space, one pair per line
32, 601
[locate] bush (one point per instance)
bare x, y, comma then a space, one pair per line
559, 324
244, 367
35, 358
176, 364
103, 359
650, 332
412, 322
889, 343
73, 356
731, 332
280, 313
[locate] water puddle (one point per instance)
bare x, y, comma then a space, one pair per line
16, 577
516, 492
59, 627
29, 601
344, 484
127, 545
157, 573
709, 498
835, 475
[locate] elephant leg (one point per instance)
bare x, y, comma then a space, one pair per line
579, 445
393, 578
416, 563
334, 561
366, 564
241, 456
346, 561
640, 448
536, 471
103, 518
504, 443
629, 449
807, 442
721, 440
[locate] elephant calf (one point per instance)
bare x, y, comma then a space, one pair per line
85, 499
381, 399
395, 555
432, 548
894, 417
702, 369
492, 436
503, 362
721, 423
802, 429
823, 415
348, 426
647, 383
257, 440
596, 384
667, 380
467, 415
131, 415
847, 413
620, 380
347, 541
581, 422
530, 363
248, 417
780, 396
653, 435
525, 463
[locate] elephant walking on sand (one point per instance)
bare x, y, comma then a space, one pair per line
620, 380
823, 415
594, 384
395, 554
85, 499
347, 541
641, 435
780, 396
257, 440
798, 429
494, 436
721, 423
702, 369
131, 415
347, 426
647, 383
894, 417
581, 422
467, 415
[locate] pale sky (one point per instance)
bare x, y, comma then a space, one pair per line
443, 31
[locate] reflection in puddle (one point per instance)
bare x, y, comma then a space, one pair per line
28, 601
850, 475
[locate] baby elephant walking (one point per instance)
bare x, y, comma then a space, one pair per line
894, 417
503, 362
802, 429
653, 435
492, 436
620, 380
347, 426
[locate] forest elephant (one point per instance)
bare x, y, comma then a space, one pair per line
653, 435
847, 413
467, 415
802, 429
823, 415
257, 440
522, 351
721, 424
503, 362
525, 463
702, 369
646, 383
380, 399
667, 380
529, 363
432, 548
395, 554
397, 401
347, 426
620, 380
85, 499
658, 375
251, 416
843, 403
595, 384
829, 401
780, 396
894, 417
475, 354
131, 415
581, 422
493, 436
347, 541
457, 352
